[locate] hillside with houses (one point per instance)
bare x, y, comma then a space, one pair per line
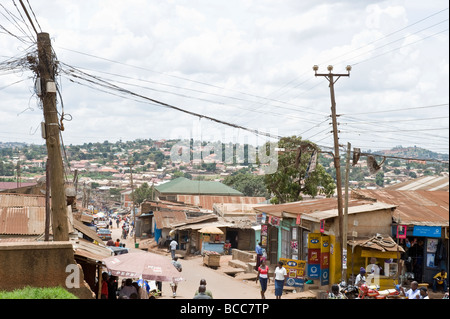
102, 170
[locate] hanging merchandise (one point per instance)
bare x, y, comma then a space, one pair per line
356, 155
312, 164
372, 164
298, 156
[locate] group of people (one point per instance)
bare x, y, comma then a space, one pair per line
415, 292
279, 278
129, 289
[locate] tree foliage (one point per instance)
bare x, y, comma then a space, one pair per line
291, 181
248, 184
142, 193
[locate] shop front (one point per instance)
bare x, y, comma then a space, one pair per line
379, 255
284, 238
426, 251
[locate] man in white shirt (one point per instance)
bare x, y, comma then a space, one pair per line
414, 292
361, 278
173, 246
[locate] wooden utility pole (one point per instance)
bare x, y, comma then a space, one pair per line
132, 199
345, 221
332, 78
48, 97
47, 201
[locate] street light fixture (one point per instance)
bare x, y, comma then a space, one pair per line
332, 78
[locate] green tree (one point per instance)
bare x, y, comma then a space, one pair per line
290, 180
379, 179
248, 184
142, 193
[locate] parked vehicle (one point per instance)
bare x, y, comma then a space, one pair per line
101, 225
350, 291
118, 250
104, 234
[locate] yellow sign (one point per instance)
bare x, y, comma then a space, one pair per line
325, 244
314, 240
295, 268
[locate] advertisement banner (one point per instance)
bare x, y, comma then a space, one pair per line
314, 271
325, 244
427, 231
314, 241
297, 267
314, 256
295, 282
325, 260
324, 277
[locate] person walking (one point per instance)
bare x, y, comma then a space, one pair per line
207, 292
174, 284
173, 246
279, 279
263, 276
259, 253
202, 293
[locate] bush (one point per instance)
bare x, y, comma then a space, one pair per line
37, 293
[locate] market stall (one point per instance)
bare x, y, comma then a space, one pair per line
212, 240
379, 256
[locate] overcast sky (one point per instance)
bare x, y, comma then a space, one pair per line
246, 62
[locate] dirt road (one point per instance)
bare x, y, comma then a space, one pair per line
221, 285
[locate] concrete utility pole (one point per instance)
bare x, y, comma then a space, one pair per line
331, 79
48, 97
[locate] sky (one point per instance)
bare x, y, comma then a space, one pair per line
248, 63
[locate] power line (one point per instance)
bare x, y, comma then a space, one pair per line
28, 16
96, 81
397, 110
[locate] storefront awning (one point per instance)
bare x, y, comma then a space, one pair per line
382, 243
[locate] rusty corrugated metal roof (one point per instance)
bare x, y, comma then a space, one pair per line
166, 219
22, 214
321, 208
207, 201
428, 208
21, 200
428, 183
22, 220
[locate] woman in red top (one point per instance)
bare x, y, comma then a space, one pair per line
263, 276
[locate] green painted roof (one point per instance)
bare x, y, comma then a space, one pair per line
183, 185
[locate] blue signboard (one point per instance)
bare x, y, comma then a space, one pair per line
313, 271
295, 282
427, 231
324, 277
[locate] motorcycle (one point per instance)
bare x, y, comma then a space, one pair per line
367, 292
350, 291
